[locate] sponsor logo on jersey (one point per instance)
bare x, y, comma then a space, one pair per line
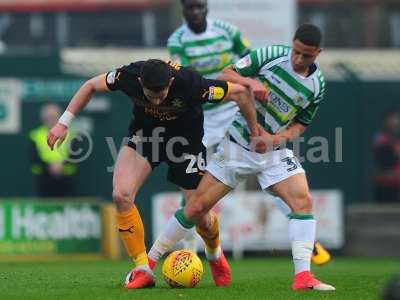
300, 101
278, 103
206, 64
216, 93
158, 114
244, 62
276, 80
177, 103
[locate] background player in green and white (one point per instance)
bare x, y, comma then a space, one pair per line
296, 89
208, 46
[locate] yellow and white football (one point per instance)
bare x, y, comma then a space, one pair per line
182, 268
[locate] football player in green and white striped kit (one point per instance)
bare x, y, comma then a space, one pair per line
209, 46
296, 89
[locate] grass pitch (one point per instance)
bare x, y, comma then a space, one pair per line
268, 278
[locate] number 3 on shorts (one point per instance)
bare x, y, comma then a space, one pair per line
291, 162
196, 163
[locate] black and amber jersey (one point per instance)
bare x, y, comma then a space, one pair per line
188, 92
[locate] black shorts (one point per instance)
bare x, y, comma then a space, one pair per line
178, 145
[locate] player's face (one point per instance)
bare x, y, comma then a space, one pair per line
195, 13
157, 98
303, 56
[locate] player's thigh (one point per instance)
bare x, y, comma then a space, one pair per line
207, 194
295, 192
131, 171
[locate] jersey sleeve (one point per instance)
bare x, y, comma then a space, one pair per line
213, 90
241, 46
113, 80
122, 77
252, 63
321, 87
176, 50
306, 116
207, 90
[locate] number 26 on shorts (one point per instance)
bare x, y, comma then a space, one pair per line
196, 163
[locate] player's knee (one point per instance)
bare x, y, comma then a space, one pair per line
302, 203
122, 199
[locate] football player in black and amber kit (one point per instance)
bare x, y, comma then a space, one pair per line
167, 126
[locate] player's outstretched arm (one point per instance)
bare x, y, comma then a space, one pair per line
78, 102
259, 90
244, 98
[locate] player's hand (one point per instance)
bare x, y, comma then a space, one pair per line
260, 91
265, 142
57, 133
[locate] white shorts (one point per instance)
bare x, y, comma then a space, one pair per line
217, 121
232, 164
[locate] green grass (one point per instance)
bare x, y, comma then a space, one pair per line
252, 279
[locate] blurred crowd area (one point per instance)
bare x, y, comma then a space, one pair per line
148, 23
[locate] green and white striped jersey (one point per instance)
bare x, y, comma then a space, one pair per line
292, 97
210, 51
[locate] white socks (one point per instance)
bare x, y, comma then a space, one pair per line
302, 237
190, 240
172, 234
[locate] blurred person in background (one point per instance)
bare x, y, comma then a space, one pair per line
51, 169
209, 46
386, 148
